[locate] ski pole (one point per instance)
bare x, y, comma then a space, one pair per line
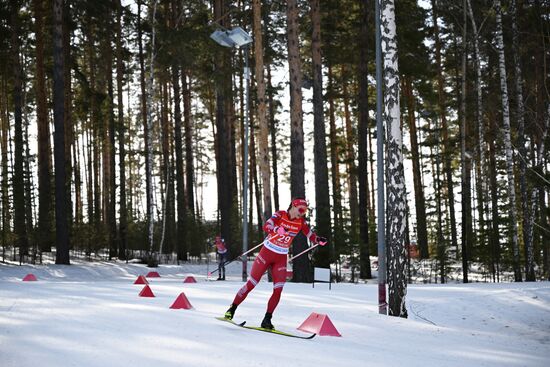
303, 252
238, 257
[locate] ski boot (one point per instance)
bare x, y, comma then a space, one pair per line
266, 322
230, 312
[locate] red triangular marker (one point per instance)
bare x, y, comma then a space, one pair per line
146, 292
153, 274
30, 278
319, 324
141, 280
190, 279
181, 302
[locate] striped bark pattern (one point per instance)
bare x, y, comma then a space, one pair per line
395, 178
508, 143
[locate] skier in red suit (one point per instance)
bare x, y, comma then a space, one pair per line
281, 229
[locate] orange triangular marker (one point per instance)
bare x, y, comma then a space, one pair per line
181, 302
190, 279
146, 292
319, 324
153, 274
30, 278
141, 280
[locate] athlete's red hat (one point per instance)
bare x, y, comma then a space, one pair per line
301, 204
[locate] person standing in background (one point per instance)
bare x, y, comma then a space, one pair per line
221, 251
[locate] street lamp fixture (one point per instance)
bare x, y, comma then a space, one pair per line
235, 37
238, 38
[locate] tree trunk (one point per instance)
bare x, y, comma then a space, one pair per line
373, 240
45, 235
396, 193
444, 129
263, 144
94, 206
180, 188
495, 217
508, 145
545, 242
273, 138
123, 209
67, 106
419, 198
226, 155
109, 177
540, 167
481, 183
144, 118
18, 174
189, 146
168, 217
335, 170
350, 158
301, 267
28, 186
322, 198
521, 143
192, 215
439, 215
466, 164
152, 261
254, 184
364, 205
62, 240
4, 128
78, 205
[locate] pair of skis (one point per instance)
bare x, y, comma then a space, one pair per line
272, 331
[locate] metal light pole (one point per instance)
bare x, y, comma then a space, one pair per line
246, 73
382, 304
238, 38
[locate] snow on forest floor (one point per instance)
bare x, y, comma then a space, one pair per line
90, 314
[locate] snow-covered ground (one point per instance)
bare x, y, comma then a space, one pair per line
90, 314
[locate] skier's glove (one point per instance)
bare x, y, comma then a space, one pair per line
321, 241
280, 231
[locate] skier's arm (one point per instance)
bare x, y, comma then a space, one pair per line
271, 226
312, 236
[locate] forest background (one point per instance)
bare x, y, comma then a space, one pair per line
116, 116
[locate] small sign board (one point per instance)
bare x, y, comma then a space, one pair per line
322, 275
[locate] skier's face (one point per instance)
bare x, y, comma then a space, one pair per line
298, 211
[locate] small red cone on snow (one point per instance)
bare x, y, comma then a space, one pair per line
190, 279
146, 292
153, 274
30, 278
141, 280
181, 302
319, 324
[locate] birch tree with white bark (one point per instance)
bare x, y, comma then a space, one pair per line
508, 143
482, 199
395, 178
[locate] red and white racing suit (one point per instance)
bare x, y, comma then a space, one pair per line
274, 254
